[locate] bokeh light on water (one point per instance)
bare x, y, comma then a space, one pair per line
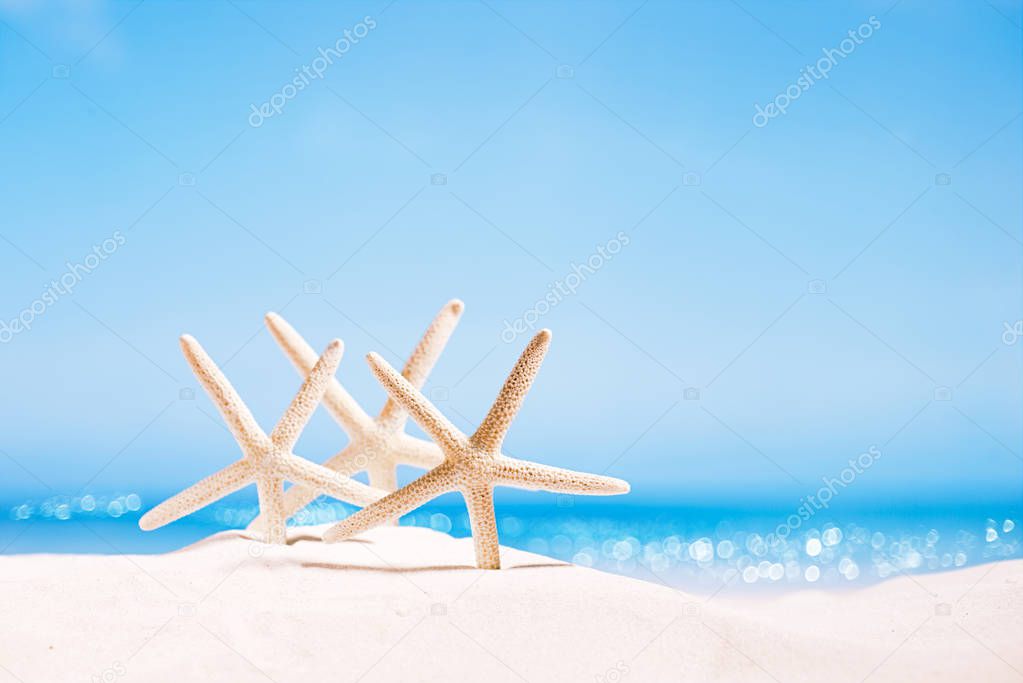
88, 506
694, 549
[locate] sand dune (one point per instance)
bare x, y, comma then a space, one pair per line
406, 604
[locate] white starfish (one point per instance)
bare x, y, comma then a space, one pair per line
472, 465
377, 444
267, 461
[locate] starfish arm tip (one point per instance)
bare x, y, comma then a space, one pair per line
377, 364
335, 533
335, 345
456, 306
544, 335
271, 317
187, 340
146, 523
609, 486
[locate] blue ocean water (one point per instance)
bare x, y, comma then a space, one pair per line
695, 548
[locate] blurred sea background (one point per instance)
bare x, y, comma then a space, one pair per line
785, 292
698, 549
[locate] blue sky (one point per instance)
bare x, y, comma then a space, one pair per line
481, 149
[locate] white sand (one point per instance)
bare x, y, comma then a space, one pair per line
404, 604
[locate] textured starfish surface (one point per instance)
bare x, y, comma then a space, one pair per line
378, 444
473, 465
267, 460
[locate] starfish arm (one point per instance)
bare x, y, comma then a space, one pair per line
322, 480
295, 418
480, 502
412, 451
425, 356
534, 476
422, 411
339, 403
271, 508
201, 494
427, 487
495, 425
383, 475
239, 420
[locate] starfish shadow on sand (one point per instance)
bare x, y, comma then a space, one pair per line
434, 568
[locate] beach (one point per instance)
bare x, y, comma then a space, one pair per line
407, 604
